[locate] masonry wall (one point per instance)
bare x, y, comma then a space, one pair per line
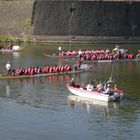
71, 19
86, 18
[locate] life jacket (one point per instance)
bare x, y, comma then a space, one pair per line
26, 71
12, 73
130, 56
103, 57
82, 59
62, 69
102, 51
108, 57
88, 57
68, 68
29, 71
56, 70
51, 70
47, 69
32, 72
78, 62
107, 51
65, 68
100, 57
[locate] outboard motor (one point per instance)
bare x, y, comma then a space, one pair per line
116, 96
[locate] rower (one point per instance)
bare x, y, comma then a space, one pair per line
115, 51
107, 51
78, 64
80, 54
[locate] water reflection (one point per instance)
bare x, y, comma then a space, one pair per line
34, 91
44, 100
93, 105
8, 90
16, 55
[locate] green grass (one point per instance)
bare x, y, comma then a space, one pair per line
4, 37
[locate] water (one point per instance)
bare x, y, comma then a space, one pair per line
41, 108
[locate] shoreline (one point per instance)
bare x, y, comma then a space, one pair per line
74, 39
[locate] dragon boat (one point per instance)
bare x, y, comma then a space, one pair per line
83, 68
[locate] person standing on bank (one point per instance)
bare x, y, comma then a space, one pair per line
8, 67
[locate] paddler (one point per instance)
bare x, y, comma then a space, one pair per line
115, 51
77, 65
80, 54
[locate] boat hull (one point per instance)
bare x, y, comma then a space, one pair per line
106, 61
15, 49
41, 75
60, 56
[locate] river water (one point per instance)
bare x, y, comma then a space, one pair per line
42, 109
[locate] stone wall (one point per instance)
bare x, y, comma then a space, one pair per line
86, 18
71, 19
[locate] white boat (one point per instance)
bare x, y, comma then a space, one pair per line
14, 49
115, 95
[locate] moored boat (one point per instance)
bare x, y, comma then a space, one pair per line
114, 95
14, 49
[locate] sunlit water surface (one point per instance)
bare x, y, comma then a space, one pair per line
42, 109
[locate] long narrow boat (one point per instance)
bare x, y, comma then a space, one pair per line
115, 95
41, 74
105, 61
60, 56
